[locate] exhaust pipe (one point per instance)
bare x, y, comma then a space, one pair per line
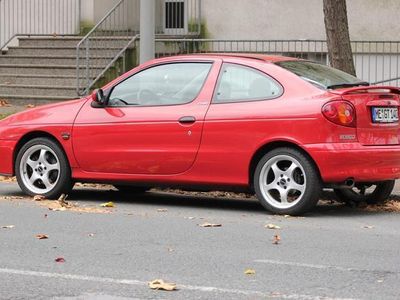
349, 182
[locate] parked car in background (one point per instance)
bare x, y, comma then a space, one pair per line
281, 127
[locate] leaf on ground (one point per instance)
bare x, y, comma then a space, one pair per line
30, 105
91, 234
58, 208
210, 225
250, 272
4, 103
160, 284
107, 204
60, 260
276, 239
38, 198
272, 226
368, 226
42, 236
162, 210
190, 218
8, 226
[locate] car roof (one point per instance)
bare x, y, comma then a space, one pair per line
258, 56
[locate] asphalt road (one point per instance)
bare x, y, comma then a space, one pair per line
336, 252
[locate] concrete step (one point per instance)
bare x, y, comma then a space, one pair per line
43, 69
36, 90
34, 79
36, 100
73, 41
53, 60
68, 51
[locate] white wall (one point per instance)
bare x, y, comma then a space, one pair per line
298, 19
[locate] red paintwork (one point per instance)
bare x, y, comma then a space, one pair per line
148, 144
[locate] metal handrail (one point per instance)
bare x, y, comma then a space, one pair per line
117, 31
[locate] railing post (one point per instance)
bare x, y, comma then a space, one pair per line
87, 69
147, 30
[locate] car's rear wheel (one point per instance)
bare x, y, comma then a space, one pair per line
287, 182
42, 168
130, 189
369, 193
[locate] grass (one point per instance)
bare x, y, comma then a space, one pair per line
2, 116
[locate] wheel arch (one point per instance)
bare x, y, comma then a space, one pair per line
32, 135
264, 149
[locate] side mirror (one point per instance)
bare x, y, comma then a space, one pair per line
98, 97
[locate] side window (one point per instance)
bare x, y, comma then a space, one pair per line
239, 83
169, 84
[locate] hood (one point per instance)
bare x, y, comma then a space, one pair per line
57, 113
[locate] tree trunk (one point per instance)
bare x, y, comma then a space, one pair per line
337, 33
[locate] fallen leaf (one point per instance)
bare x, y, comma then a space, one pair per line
60, 260
4, 103
38, 198
42, 236
7, 226
30, 106
58, 208
162, 210
250, 272
107, 204
210, 225
276, 239
45, 215
170, 249
368, 226
91, 234
190, 218
159, 284
272, 226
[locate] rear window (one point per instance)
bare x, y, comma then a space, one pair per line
320, 75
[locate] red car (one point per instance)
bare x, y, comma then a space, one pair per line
282, 127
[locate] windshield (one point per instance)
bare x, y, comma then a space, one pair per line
321, 75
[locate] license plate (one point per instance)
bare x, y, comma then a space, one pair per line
385, 114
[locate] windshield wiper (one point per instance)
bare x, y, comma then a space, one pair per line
344, 85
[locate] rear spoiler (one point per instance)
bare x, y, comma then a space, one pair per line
367, 89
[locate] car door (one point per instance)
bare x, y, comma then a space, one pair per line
152, 123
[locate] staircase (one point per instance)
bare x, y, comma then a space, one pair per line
43, 69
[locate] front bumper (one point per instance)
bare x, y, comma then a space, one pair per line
7, 157
340, 161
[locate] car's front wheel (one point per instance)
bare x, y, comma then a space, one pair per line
287, 182
42, 168
369, 193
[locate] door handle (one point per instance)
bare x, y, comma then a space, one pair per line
187, 120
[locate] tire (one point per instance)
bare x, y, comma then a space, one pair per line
376, 193
42, 168
287, 174
130, 189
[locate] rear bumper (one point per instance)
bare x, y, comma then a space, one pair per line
339, 161
6, 157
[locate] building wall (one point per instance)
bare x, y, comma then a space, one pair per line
297, 19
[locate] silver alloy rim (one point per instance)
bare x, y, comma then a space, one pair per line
40, 169
282, 181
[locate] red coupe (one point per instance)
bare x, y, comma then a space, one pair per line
282, 127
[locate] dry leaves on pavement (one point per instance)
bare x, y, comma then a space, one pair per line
368, 226
209, 225
160, 284
30, 105
107, 204
8, 179
60, 260
276, 239
38, 198
162, 210
272, 226
42, 236
250, 272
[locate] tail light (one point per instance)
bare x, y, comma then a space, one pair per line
340, 112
